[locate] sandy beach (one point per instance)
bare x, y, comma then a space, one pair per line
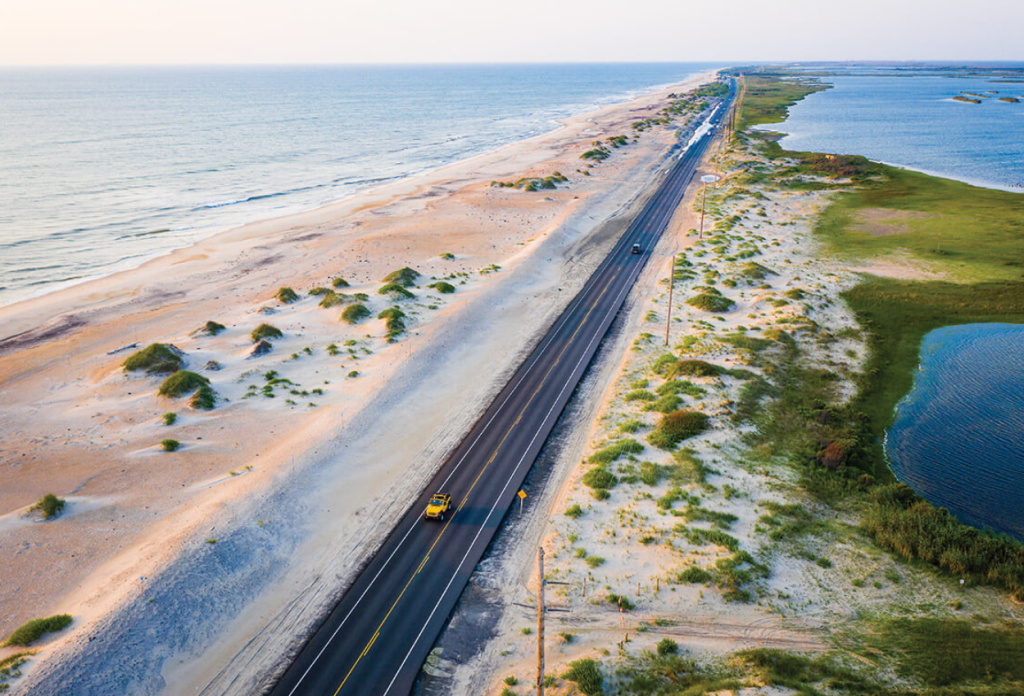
197, 570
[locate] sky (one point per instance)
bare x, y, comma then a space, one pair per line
103, 32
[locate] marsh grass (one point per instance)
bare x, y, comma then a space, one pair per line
156, 358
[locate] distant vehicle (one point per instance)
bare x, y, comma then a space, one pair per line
438, 506
636, 248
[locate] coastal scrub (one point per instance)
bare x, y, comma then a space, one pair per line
156, 358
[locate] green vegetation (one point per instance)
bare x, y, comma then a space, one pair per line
286, 295
156, 358
204, 399
394, 321
710, 302
586, 674
10, 668
614, 451
355, 313
667, 646
395, 291
599, 477
681, 386
442, 287
666, 404
804, 675
339, 282
170, 418
50, 505
319, 290
265, 331
640, 395
692, 368
574, 512
30, 632
447, 256
532, 183
211, 328
170, 445
182, 382
405, 277
333, 299
966, 100
767, 99
675, 427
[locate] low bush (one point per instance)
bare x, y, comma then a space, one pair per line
666, 404
681, 386
286, 295
586, 674
667, 646
355, 313
640, 395
339, 283
30, 632
394, 321
265, 332
675, 427
711, 303
319, 290
170, 418
50, 505
651, 473
182, 382
447, 256
620, 601
204, 399
405, 277
395, 291
612, 452
443, 287
695, 575
170, 445
599, 477
333, 299
575, 511
692, 368
156, 358
211, 328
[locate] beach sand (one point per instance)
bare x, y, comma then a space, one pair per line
207, 564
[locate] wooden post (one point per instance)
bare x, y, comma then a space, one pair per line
671, 284
540, 621
703, 197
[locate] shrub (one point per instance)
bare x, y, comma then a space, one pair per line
599, 477
448, 256
286, 295
265, 331
692, 368
170, 445
355, 313
204, 399
333, 299
612, 452
393, 320
574, 511
663, 361
666, 404
170, 418
180, 383
695, 575
211, 328
667, 646
587, 676
676, 427
620, 601
650, 473
396, 291
319, 290
339, 283
405, 277
30, 632
50, 505
156, 358
711, 303
681, 386
443, 287
640, 395
595, 561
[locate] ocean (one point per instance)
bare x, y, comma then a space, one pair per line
103, 168
913, 122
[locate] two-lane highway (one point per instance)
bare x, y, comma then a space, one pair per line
379, 634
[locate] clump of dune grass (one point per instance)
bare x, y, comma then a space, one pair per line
355, 313
406, 277
50, 505
319, 290
614, 451
675, 427
286, 295
182, 382
395, 291
170, 418
265, 331
30, 632
394, 319
204, 399
156, 358
692, 368
211, 328
339, 282
442, 287
448, 256
599, 477
710, 302
333, 299
170, 445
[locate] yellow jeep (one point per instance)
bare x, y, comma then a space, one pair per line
438, 506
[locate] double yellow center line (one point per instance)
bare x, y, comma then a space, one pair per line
465, 498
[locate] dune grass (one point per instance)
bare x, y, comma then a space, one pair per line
318, 290
354, 313
443, 287
675, 427
204, 398
181, 383
50, 505
170, 444
170, 418
339, 282
710, 302
614, 451
395, 291
265, 332
211, 328
691, 368
334, 299
286, 295
394, 321
156, 358
405, 277
30, 632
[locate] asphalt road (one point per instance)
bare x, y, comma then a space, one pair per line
379, 634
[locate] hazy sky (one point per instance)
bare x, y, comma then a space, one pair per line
403, 31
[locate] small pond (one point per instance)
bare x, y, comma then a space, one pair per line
958, 436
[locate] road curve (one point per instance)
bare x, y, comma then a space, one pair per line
377, 637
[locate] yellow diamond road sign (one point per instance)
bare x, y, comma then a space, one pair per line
522, 495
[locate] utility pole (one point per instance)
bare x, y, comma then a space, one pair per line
671, 284
540, 621
703, 197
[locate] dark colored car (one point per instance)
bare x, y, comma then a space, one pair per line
636, 248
